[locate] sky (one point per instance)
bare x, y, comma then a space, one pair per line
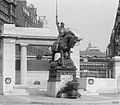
93, 20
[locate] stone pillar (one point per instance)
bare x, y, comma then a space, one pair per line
7, 67
117, 72
75, 56
23, 64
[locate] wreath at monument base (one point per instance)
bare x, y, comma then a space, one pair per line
90, 81
8, 80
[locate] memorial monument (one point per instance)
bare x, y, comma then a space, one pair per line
62, 69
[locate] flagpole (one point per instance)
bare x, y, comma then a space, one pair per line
56, 11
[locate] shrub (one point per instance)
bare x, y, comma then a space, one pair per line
71, 89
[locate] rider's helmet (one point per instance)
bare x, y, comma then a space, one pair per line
62, 24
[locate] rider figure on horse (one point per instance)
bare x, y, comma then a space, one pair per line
61, 29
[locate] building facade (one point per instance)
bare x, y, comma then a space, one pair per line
94, 63
42, 20
19, 13
113, 48
26, 15
7, 12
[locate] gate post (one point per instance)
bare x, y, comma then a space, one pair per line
76, 58
8, 65
117, 72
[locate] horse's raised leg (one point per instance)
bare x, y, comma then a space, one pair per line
53, 56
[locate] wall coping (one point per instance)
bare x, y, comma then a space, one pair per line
10, 31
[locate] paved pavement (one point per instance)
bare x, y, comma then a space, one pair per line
102, 99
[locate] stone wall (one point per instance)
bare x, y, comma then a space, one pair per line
100, 85
41, 76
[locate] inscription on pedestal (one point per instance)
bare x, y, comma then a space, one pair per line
65, 78
55, 75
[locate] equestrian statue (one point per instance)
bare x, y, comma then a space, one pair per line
66, 41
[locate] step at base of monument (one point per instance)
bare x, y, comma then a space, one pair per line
87, 93
16, 93
20, 87
37, 91
18, 90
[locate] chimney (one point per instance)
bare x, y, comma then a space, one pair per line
24, 2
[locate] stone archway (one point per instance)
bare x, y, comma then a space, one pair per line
11, 37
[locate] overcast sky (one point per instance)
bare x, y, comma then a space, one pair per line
92, 19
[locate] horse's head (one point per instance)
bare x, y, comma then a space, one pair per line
68, 41
73, 41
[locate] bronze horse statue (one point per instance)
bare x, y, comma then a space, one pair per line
64, 45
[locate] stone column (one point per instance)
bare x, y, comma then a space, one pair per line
23, 64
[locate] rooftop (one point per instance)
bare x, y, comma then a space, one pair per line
92, 51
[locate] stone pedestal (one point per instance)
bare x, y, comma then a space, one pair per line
117, 72
58, 78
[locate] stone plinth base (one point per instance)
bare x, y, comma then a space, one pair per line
54, 86
57, 79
